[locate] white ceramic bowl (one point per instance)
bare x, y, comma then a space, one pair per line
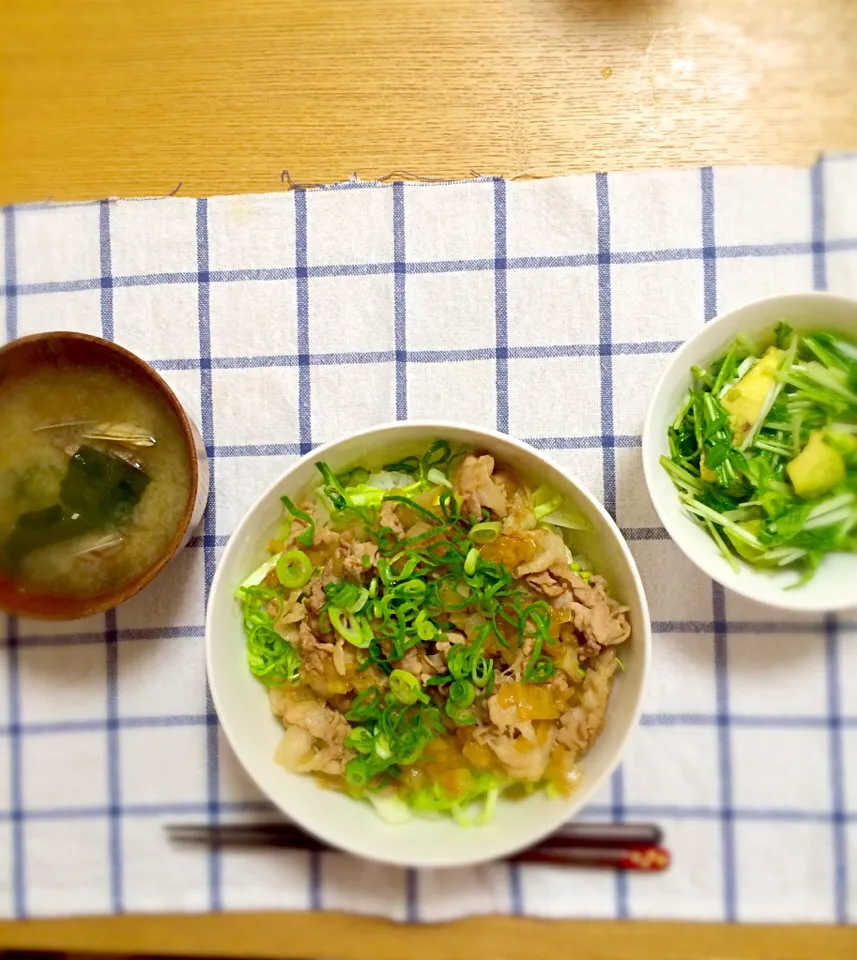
253, 732
833, 587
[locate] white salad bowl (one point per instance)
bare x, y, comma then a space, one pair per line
254, 733
834, 586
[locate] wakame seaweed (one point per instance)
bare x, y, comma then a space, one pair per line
98, 491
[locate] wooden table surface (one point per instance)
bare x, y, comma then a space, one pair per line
133, 97
142, 97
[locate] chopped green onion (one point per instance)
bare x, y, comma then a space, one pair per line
357, 772
482, 671
484, 532
271, 657
361, 739
294, 568
306, 538
459, 661
349, 626
457, 713
388, 575
358, 604
426, 630
470, 561
439, 681
409, 465
412, 588
406, 688
539, 670
462, 692
346, 595
365, 705
437, 455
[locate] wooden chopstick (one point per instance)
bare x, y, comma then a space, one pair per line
569, 835
628, 846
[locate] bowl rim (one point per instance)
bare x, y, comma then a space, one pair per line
59, 607
570, 806
678, 361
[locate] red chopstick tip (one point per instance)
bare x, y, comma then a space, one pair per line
648, 859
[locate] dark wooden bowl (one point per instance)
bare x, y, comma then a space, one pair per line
58, 348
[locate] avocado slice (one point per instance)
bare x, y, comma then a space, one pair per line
816, 469
746, 400
742, 548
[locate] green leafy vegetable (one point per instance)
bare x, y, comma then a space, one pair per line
779, 489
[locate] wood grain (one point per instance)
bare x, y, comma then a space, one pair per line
332, 935
131, 98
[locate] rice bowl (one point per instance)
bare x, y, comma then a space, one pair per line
538, 723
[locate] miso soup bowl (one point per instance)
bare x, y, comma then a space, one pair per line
833, 587
254, 733
56, 349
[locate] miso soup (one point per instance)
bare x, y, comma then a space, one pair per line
94, 478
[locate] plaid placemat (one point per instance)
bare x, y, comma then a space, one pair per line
546, 309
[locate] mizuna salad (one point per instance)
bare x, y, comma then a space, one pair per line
428, 639
764, 449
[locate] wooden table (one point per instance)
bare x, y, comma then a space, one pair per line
134, 97
145, 97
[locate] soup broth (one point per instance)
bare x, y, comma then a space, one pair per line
94, 478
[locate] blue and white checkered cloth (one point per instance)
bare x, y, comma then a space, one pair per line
544, 308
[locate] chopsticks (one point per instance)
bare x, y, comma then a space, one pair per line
621, 846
